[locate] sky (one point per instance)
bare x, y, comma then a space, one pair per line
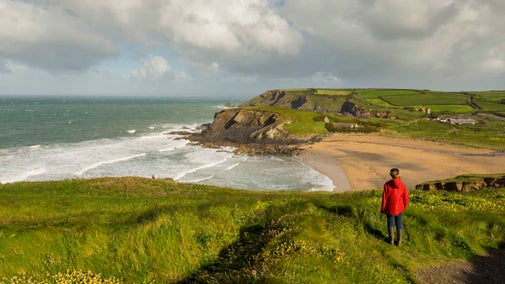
241, 48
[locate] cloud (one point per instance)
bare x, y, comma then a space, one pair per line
233, 33
368, 43
9, 67
49, 38
157, 67
229, 26
325, 78
413, 43
397, 19
4, 67
153, 67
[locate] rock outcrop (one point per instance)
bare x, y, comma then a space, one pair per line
350, 108
251, 131
302, 100
462, 184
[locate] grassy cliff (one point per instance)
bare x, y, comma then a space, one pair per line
138, 230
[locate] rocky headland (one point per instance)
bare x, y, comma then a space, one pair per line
251, 132
255, 131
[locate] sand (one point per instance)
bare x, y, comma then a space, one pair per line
362, 161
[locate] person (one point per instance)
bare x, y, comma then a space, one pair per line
395, 199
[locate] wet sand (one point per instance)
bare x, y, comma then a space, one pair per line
362, 161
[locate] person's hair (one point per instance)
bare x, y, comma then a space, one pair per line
394, 172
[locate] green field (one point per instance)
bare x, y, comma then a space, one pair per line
333, 92
456, 109
138, 230
427, 99
377, 93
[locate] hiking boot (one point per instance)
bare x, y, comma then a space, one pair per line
391, 231
399, 241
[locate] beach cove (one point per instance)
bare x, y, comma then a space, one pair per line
362, 161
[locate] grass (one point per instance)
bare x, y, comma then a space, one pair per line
299, 122
138, 230
485, 134
427, 99
334, 92
450, 109
377, 93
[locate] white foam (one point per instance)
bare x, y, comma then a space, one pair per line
209, 165
232, 166
35, 146
178, 144
98, 164
201, 179
161, 155
131, 131
24, 176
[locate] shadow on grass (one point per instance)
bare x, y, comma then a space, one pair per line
241, 261
351, 212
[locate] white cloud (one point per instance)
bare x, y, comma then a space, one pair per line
182, 77
214, 67
228, 30
157, 67
229, 26
7, 66
324, 78
152, 67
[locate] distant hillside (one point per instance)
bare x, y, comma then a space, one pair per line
367, 102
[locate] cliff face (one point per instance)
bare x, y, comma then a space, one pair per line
252, 131
350, 108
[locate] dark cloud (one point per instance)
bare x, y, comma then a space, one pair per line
50, 39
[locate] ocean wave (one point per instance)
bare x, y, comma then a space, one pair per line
201, 179
98, 164
232, 166
209, 165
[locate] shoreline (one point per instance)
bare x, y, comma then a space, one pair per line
363, 160
329, 166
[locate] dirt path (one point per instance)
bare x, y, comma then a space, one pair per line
489, 269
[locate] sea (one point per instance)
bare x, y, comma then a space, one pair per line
58, 138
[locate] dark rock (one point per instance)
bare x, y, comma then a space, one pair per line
464, 185
350, 108
259, 131
184, 133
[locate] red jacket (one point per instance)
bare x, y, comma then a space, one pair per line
395, 197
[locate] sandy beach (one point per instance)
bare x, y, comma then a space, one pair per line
362, 161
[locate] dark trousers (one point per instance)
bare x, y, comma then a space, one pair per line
392, 220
